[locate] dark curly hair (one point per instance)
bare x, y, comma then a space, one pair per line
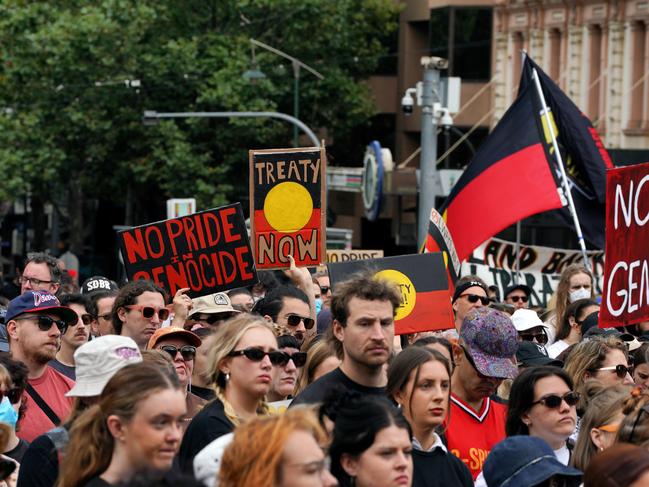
128, 295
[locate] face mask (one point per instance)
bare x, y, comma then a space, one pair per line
580, 293
8, 414
318, 305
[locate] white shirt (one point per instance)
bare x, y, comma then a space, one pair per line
437, 444
556, 348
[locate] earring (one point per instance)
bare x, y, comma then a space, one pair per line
227, 377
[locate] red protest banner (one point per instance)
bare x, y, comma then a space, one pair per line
625, 298
207, 252
287, 206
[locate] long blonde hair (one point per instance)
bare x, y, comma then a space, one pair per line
226, 339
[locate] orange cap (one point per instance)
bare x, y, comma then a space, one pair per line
169, 331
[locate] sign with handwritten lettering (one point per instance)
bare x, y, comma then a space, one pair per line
207, 252
287, 206
422, 281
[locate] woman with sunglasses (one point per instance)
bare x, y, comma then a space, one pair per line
135, 426
542, 403
601, 421
180, 345
240, 366
569, 329
285, 375
419, 381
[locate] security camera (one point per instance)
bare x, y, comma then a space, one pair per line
407, 102
445, 120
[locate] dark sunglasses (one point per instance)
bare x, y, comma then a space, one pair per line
620, 370
86, 319
257, 355
325, 289
149, 311
519, 298
213, 319
474, 298
294, 320
298, 358
540, 337
13, 395
553, 401
188, 352
45, 323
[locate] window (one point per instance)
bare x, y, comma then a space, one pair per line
595, 73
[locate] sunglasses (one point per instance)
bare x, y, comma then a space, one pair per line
45, 323
188, 352
212, 319
325, 289
620, 370
540, 337
298, 358
149, 311
553, 401
474, 298
13, 395
516, 299
86, 319
294, 320
257, 355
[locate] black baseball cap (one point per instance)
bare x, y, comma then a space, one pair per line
526, 289
530, 354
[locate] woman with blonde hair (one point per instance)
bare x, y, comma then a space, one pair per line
320, 360
240, 367
277, 451
135, 426
575, 283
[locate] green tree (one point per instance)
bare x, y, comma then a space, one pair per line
71, 122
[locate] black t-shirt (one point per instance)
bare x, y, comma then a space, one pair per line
206, 427
438, 468
40, 464
66, 370
19, 452
202, 392
335, 380
97, 482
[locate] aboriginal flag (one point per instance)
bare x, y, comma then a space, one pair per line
510, 178
584, 157
422, 281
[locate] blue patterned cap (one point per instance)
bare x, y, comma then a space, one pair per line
491, 339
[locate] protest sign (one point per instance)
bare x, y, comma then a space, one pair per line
540, 267
207, 252
287, 206
338, 255
422, 281
625, 298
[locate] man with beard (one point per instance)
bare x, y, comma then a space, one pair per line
181, 346
363, 310
35, 322
488, 342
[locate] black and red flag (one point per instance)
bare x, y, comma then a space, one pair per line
584, 157
509, 179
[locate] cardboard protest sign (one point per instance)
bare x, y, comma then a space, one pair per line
340, 255
625, 299
287, 206
422, 280
207, 252
439, 239
540, 267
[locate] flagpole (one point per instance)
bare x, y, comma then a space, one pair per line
517, 249
564, 178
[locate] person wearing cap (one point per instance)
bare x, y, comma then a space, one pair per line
139, 311
100, 305
35, 321
181, 346
518, 295
529, 326
470, 293
210, 311
530, 354
98, 283
488, 343
41, 273
527, 461
76, 335
97, 361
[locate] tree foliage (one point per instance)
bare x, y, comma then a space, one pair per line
68, 114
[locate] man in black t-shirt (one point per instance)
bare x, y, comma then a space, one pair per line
363, 310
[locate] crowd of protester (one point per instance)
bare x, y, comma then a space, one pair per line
291, 383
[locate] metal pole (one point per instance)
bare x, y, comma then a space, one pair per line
564, 178
153, 115
429, 182
296, 99
517, 251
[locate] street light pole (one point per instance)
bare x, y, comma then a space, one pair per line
151, 117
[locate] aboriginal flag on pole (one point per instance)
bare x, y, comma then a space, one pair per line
510, 178
584, 157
